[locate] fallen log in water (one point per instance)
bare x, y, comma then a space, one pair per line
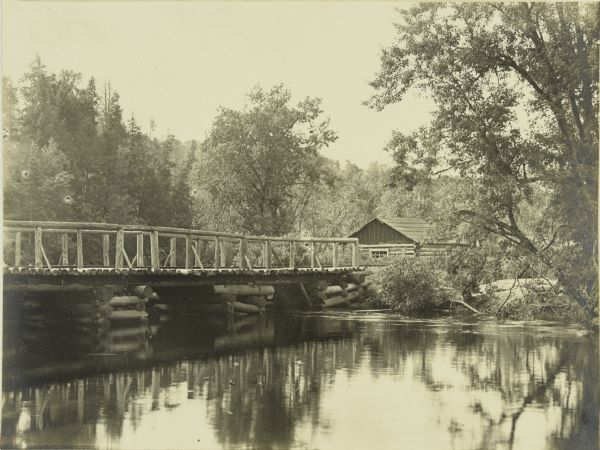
466, 305
340, 299
243, 289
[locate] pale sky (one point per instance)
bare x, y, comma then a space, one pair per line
178, 62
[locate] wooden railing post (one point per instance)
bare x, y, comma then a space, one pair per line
37, 251
105, 250
200, 246
243, 253
64, 253
120, 242
292, 263
268, 254
216, 258
189, 255
222, 254
79, 250
18, 249
173, 252
334, 255
313, 255
154, 251
355, 254
139, 258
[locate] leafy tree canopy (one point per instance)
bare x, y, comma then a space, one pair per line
516, 89
260, 155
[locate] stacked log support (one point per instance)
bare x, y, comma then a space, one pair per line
365, 288
130, 308
247, 299
339, 300
345, 292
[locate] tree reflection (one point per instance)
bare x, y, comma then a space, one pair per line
261, 382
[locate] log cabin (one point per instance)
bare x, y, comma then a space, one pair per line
398, 236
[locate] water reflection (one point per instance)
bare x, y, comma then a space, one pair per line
312, 382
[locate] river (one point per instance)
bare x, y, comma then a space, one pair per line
315, 381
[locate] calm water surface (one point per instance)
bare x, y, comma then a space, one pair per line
336, 381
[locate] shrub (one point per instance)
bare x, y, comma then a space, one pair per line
411, 285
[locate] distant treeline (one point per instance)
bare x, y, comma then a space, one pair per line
70, 155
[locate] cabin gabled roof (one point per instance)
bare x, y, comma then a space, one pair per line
416, 230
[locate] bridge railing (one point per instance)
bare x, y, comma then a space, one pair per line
95, 245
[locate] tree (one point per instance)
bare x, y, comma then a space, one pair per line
183, 215
43, 191
486, 66
346, 199
258, 157
56, 108
9, 108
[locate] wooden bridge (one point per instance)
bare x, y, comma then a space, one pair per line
63, 252
91, 275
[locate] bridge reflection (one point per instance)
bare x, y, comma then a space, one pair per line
278, 382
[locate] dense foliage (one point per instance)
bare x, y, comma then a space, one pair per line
516, 89
413, 285
69, 154
263, 155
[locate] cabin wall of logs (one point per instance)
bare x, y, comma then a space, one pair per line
78, 246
